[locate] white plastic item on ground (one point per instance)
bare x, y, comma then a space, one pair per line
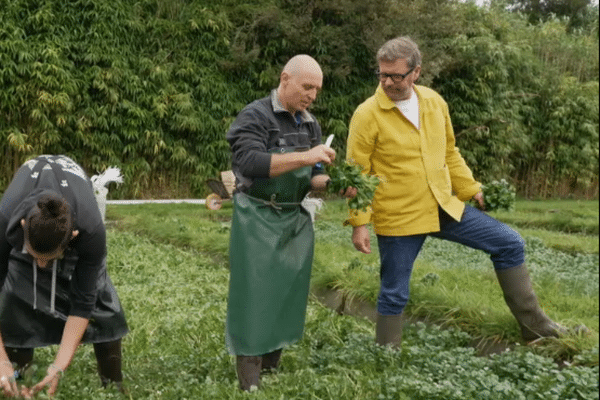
312, 205
99, 182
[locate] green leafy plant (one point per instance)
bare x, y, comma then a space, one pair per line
499, 195
348, 175
179, 351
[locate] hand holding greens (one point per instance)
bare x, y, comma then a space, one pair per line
348, 175
499, 195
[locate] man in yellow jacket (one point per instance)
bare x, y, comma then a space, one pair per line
403, 134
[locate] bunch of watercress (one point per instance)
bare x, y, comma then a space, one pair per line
347, 175
499, 195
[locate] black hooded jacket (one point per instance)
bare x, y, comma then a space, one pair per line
60, 175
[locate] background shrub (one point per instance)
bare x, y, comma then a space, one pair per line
152, 86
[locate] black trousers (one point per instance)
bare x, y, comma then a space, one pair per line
108, 356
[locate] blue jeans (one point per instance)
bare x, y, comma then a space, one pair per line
475, 229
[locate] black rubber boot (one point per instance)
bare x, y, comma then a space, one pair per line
388, 330
523, 303
108, 356
270, 361
248, 371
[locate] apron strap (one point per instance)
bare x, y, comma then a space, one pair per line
272, 203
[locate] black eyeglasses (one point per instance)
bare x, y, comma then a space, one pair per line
396, 78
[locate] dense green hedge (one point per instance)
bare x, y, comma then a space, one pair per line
152, 86
112, 83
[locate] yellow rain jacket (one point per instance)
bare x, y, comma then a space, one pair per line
418, 169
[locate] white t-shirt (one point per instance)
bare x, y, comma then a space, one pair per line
410, 109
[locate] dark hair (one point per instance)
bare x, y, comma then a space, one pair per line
49, 224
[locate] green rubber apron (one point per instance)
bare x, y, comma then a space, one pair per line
271, 253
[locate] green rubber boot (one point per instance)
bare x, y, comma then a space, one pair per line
388, 330
523, 303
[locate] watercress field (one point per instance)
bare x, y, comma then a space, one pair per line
169, 265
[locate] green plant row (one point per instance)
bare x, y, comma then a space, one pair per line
577, 217
175, 302
451, 283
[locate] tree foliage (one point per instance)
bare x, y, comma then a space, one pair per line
519, 111
152, 86
114, 84
578, 13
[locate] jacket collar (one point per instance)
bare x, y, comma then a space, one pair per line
305, 116
384, 101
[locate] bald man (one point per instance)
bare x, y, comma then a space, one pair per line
277, 158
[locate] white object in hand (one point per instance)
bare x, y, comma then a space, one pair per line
329, 141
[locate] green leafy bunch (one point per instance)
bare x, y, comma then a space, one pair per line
499, 195
347, 175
